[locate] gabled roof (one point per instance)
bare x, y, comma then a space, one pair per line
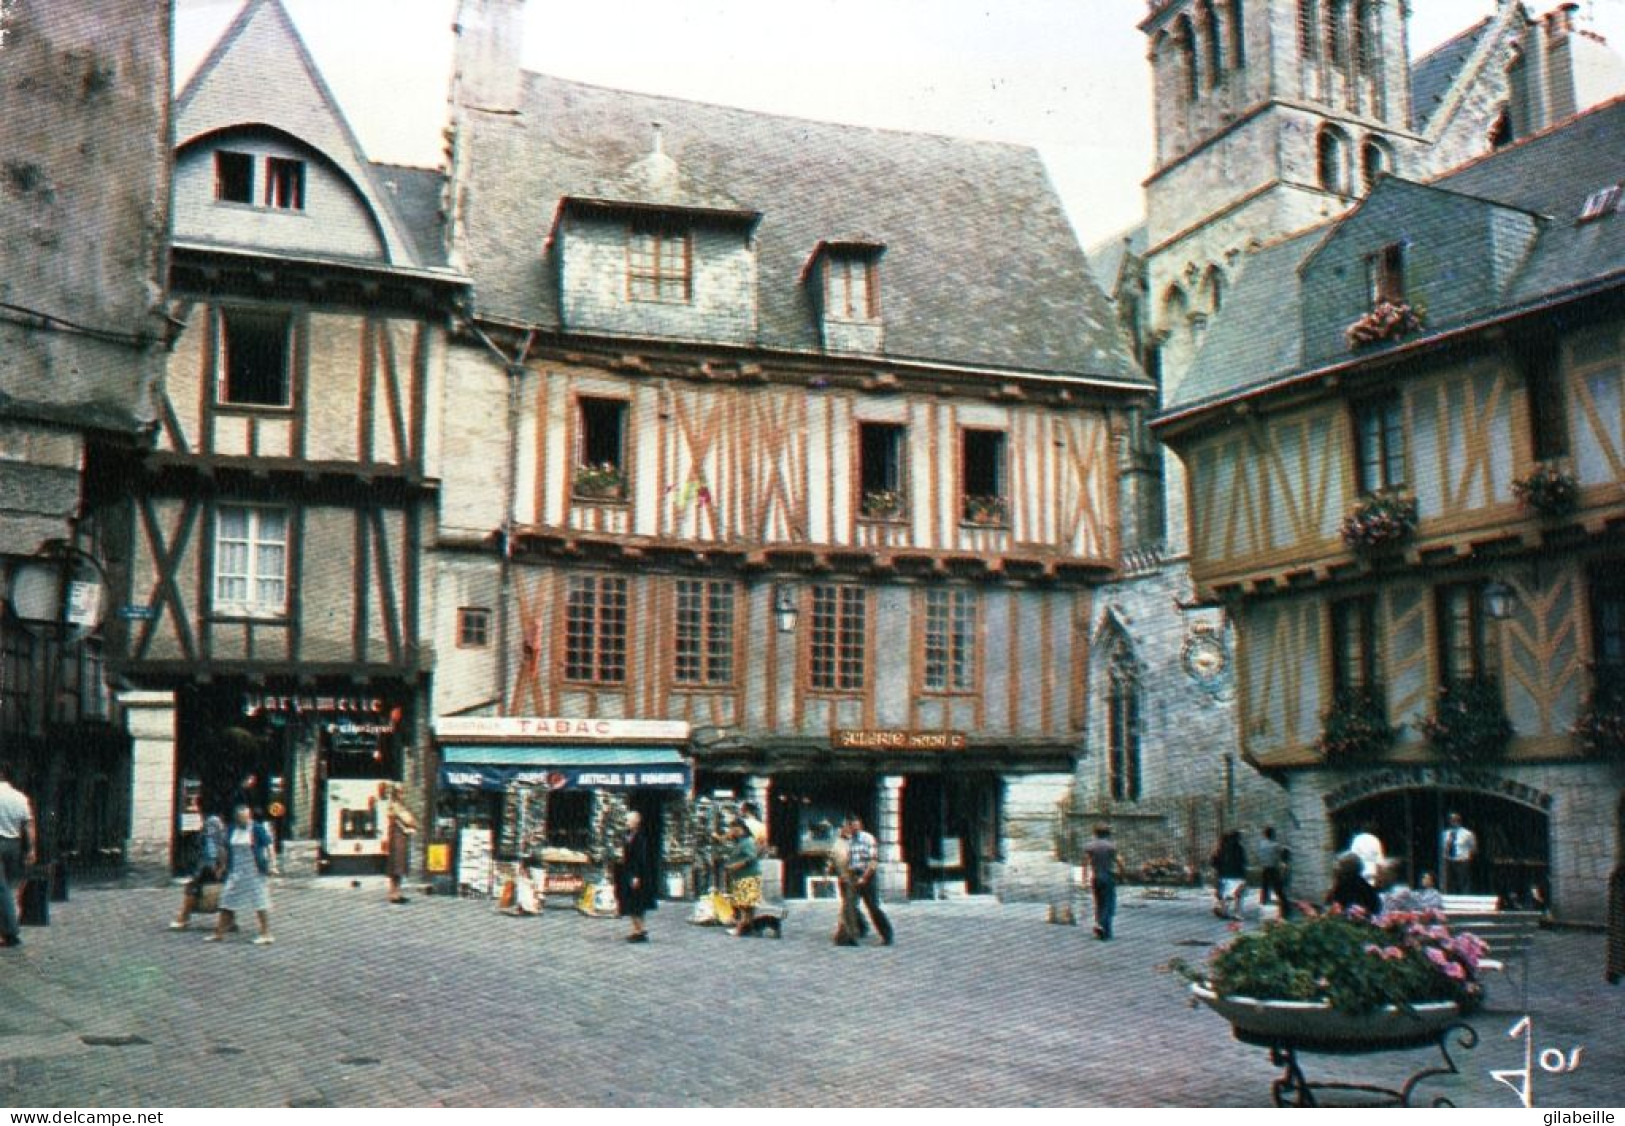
261, 74
1256, 343
1106, 257
1435, 73
981, 268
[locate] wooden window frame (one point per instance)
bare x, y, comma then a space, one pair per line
244, 162
1358, 614
712, 635
1001, 476
473, 627
223, 377
839, 271
580, 441
1605, 582
1385, 274
284, 183
253, 542
899, 483
952, 614
1369, 478
1482, 648
603, 631
837, 640
650, 276
1539, 359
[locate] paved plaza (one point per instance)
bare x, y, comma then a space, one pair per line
445, 1002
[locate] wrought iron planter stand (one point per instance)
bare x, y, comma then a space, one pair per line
1291, 1029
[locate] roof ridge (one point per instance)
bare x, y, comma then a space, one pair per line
957, 139
1555, 127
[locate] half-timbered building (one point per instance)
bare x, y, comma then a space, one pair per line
275, 527
804, 434
1403, 443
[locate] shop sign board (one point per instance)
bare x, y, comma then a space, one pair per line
498, 778
519, 728
895, 740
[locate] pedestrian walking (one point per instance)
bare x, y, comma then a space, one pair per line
862, 862
19, 847
248, 871
1350, 889
751, 814
211, 863
744, 876
636, 877
849, 925
399, 827
1272, 872
1458, 846
1103, 864
1229, 862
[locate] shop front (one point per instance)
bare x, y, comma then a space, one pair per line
531, 794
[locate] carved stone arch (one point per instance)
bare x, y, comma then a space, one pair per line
1214, 287
1332, 159
1175, 312
1376, 160
1118, 676
1184, 34
1212, 42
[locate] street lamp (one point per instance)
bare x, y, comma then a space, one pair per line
785, 611
1499, 600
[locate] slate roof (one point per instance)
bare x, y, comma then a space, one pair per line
416, 197
1106, 257
1257, 340
981, 267
1434, 73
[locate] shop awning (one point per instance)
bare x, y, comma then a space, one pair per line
563, 767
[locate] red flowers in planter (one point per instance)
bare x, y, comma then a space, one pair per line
1387, 320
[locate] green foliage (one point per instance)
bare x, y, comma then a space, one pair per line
1356, 964
1469, 721
1356, 727
1601, 726
1549, 490
1379, 520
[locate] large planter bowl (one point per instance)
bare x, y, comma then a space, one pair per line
1314, 1026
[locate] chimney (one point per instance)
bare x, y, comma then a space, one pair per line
489, 36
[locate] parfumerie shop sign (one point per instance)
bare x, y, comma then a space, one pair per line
883, 740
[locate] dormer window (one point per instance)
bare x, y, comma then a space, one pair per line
850, 288
284, 183
1601, 202
659, 263
1385, 275
233, 177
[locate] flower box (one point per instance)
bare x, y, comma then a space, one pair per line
1387, 320
1356, 727
1469, 722
1380, 520
599, 482
984, 510
882, 504
1549, 490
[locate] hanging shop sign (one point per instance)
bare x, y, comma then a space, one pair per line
889, 740
521, 728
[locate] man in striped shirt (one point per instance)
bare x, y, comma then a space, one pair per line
858, 883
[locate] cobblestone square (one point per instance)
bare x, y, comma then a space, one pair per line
444, 1002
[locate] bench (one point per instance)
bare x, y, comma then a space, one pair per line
1508, 934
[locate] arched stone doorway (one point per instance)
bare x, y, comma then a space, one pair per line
1514, 837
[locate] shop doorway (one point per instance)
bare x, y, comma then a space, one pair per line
950, 831
1514, 849
806, 813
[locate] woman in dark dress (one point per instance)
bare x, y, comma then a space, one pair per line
1350, 888
635, 877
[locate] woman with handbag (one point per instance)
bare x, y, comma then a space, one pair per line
248, 872
210, 863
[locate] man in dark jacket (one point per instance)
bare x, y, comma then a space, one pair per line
637, 876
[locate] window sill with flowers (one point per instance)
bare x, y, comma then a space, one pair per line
1387, 321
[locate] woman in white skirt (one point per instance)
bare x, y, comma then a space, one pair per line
248, 870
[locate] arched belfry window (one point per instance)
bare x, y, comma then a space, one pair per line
1375, 160
1175, 310
1122, 718
1309, 33
1212, 41
1185, 42
1238, 37
1213, 283
1331, 160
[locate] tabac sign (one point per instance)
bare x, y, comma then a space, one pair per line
558, 729
884, 740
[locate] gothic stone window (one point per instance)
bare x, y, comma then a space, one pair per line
1122, 721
